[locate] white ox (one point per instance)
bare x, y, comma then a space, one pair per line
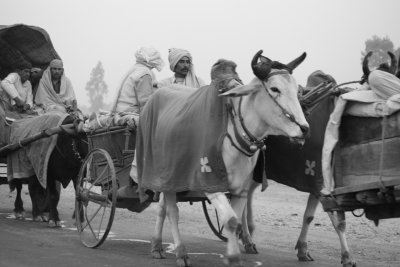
268, 105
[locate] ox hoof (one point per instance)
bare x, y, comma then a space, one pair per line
54, 224
250, 249
40, 218
158, 255
157, 251
20, 215
347, 261
350, 264
302, 251
184, 261
305, 257
233, 261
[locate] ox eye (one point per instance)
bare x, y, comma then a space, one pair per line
275, 90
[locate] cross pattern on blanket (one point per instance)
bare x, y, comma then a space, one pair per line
204, 165
310, 165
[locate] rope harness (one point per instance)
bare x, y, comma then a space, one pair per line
248, 144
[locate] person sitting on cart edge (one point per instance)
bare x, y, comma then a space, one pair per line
55, 90
36, 75
181, 63
137, 84
18, 89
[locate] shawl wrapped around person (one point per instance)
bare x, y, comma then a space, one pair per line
137, 84
47, 97
191, 80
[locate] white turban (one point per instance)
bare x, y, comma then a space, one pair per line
176, 54
150, 57
56, 63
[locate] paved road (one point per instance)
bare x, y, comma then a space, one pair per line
26, 243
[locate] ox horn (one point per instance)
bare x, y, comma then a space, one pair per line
293, 64
398, 68
393, 63
365, 67
263, 68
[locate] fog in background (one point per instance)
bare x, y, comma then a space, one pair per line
333, 33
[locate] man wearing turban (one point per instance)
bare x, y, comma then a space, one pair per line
181, 63
18, 89
55, 91
137, 85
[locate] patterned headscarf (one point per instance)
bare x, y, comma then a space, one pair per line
150, 57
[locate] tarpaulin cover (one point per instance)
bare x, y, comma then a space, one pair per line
22, 43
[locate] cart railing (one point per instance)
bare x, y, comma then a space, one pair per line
119, 142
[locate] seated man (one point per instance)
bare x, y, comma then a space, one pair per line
17, 90
181, 63
36, 75
137, 85
55, 91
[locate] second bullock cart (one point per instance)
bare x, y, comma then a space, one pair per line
105, 170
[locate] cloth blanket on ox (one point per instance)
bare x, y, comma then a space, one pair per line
179, 141
33, 159
296, 166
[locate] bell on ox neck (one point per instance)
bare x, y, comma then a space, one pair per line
264, 147
253, 148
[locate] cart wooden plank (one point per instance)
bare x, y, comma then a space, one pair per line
366, 186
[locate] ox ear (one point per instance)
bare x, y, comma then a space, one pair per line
293, 64
240, 90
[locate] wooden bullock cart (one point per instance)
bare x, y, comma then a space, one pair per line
105, 170
367, 167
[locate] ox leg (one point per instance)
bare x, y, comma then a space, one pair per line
231, 223
338, 219
54, 219
36, 192
301, 245
248, 225
81, 214
157, 251
18, 203
182, 259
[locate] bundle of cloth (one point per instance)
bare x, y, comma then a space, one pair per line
103, 119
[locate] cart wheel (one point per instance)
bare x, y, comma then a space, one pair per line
213, 219
96, 196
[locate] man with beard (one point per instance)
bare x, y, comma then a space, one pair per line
55, 90
181, 63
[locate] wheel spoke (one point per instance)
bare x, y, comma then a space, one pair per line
93, 216
100, 176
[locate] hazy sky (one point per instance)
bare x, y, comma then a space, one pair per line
333, 33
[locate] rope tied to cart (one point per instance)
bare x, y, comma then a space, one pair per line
383, 188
